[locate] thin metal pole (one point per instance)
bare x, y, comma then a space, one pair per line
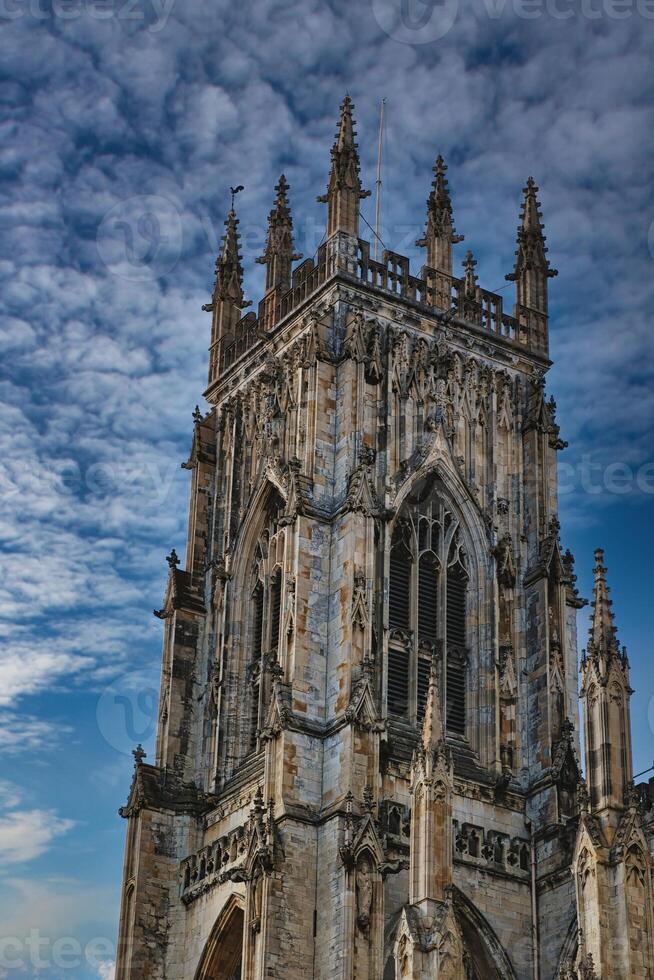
378, 182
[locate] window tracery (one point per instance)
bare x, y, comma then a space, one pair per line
428, 584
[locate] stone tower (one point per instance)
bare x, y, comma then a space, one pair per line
367, 763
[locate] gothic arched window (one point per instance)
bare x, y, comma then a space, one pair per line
428, 582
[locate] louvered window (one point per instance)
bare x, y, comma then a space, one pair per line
428, 582
400, 587
398, 682
428, 599
456, 638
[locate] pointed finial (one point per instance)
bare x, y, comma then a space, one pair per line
280, 252
257, 808
470, 276
228, 285
344, 191
197, 414
369, 804
139, 754
345, 133
433, 732
603, 634
532, 267
440, 233
172, 559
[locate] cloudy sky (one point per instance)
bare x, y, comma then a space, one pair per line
123, 126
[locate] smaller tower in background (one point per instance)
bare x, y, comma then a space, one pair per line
606, 695
440, 233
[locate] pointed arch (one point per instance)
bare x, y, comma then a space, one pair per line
436, 579
253, 610
570, 948
222, 957
269, 492
439, 466
488, 956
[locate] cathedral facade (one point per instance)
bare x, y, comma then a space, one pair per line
368, 754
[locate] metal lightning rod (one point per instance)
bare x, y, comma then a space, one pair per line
378, 182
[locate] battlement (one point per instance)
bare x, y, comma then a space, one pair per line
434, 292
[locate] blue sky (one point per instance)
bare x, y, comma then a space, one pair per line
122, 128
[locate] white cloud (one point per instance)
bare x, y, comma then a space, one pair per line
24, 733
27, 834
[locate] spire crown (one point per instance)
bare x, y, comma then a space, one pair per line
440, 233
229, 269
440, 202
602, 640
345, 133
532, 267
531, 252
344, 190
280, 253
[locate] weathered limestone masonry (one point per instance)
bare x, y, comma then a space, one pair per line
367, 763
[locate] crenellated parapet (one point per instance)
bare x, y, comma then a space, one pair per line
459, 301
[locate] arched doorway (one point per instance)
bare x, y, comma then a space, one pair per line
222, 958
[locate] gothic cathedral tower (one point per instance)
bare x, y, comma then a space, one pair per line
367, 763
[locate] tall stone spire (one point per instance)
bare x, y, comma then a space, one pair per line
344, 190
532, 268
606, 694
280, 253
227, 301
440, 234
228, 285
602, 640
